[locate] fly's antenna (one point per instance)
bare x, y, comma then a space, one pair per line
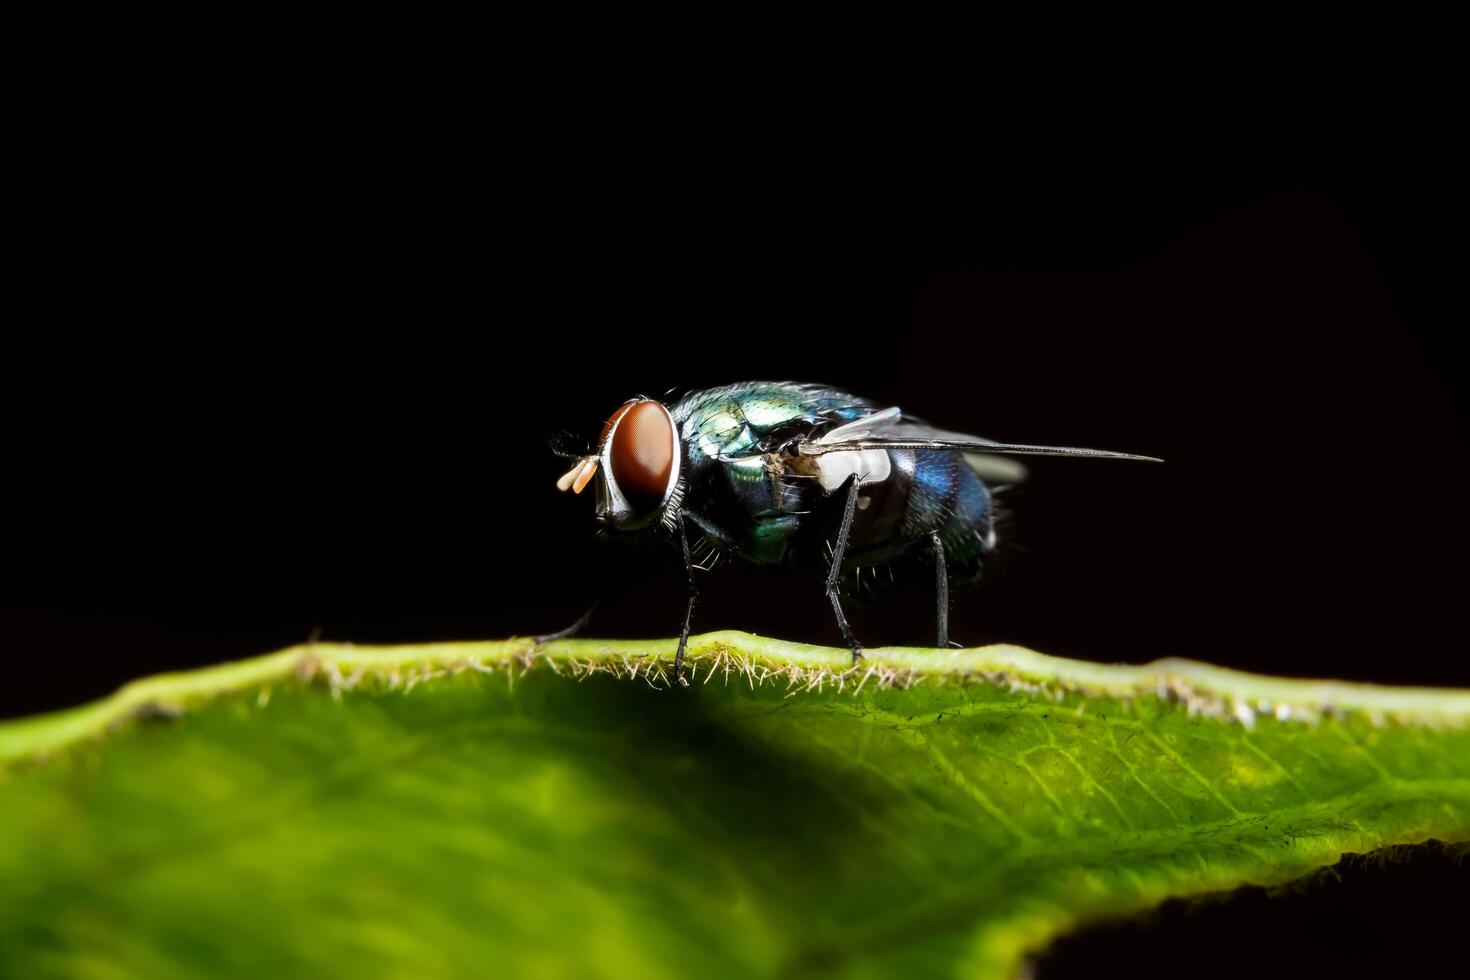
584, 467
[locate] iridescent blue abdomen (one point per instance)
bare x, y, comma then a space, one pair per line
926, 492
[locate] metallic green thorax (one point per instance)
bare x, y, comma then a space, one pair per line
736, 421
727, 434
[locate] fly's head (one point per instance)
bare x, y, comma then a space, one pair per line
635, 467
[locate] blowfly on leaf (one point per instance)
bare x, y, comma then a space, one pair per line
781, 473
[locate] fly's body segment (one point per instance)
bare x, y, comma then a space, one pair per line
780, 473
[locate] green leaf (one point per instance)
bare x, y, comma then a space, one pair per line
472, 810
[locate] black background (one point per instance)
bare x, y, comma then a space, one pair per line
300, 382
274, 397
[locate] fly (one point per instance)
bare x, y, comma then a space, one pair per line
780, 473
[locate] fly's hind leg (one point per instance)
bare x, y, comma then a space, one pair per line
941, 590
835, 572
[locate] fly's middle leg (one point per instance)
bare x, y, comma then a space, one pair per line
688, 609
941, 590
835, 572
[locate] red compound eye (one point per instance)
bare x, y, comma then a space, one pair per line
642, 453
608, 425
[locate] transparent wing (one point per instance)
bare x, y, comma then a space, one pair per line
889, 430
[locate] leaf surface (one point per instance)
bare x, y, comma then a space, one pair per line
483, 809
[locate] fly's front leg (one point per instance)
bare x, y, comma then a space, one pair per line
941, 589
605, 579
688, 609
835, 572
571, 630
